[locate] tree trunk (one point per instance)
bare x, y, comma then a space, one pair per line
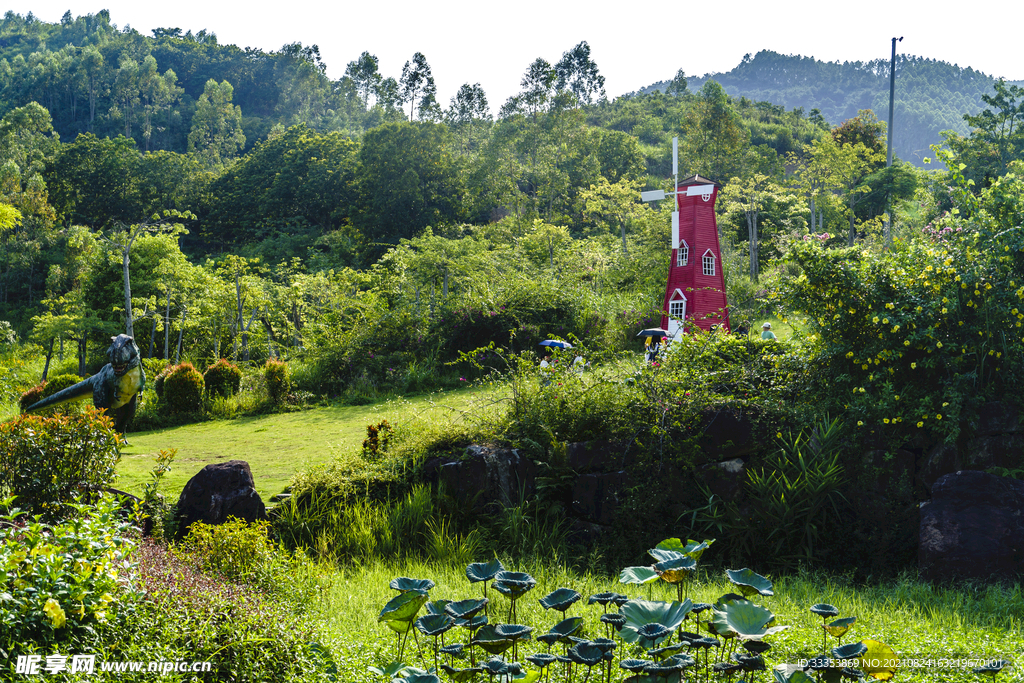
444, 285
82, 350
167, 326
752, 243
181, 330
152, 336
49, 355
129, 323
622, 229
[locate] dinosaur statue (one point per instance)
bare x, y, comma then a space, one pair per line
115, 388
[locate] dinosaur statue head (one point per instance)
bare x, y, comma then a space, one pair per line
123, 354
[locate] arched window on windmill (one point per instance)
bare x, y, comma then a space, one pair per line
708, 263
682, 254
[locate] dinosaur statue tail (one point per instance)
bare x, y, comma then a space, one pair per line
72, 393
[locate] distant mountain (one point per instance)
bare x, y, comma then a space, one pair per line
931, 96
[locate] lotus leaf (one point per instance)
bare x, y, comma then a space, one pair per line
399, 627
562, 630
849, 651
465, 609
746, 620
437, 606
877, 654
403, 607
403, 584
749, 662
685, 659
790, 673
617, 621
514, 584
483, 571
756, 646
666, 650
662, 555
725, 667
462, 675
637, 575
491, 641
689, 635
640, 612
634, 665
472, 624
728, 597
664, 668
674, 571
421, 677
586, 653
542, 659
649, 635
750, 582
992, 668
607, 598
851, 673
514, 631
561, 599
454, 650
434, 624
825, 610
606, 644
495, 666
706, 643
391, 670
699, 607
839, 627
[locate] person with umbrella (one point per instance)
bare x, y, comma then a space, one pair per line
545, 366
655, 336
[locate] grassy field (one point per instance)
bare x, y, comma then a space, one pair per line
277, 446
922, 623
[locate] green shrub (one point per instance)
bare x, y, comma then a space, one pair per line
237, 550
183, 390
158, 380
48, 461
59, 383
33, 395
278, 380
378, 437
61, 582
223, 378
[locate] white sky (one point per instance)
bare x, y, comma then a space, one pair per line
492, 43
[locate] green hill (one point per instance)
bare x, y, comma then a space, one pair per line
931, 95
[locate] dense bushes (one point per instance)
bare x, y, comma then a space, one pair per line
48, 461
59, 383
223, 378
60, 583
278, 380
183, 390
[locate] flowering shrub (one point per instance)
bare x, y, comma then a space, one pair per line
61, 580
183, 389
279, 380
223, 378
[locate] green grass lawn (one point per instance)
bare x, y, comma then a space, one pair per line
276, 446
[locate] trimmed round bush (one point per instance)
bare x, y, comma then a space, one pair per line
278, 380
183, 390
158, 381
223, 378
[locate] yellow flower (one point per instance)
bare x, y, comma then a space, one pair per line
778, 435
896, 328
875, 319
913, 366
988, 285
920, 424
885, 320
849, 354
906, 343
976, 293
945, 404
938, 345
943, 309
864, 367
919, 309
938, 416
862, 390
897, 397
860, 423
56, 613
886, 420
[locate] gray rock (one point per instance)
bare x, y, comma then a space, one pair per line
998, 418
218, 491
973, 528
601, 456
488, 477
942, 460
595, 497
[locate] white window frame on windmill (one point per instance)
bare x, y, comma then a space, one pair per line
682, 254
676, 312
708, 263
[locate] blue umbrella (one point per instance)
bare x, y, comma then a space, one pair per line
556, 343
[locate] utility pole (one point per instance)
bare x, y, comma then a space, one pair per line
888, 136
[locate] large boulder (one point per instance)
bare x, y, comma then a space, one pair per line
220, 490
596, 497
488, 476
973, 528
599, 456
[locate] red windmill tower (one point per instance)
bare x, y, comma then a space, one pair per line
695, 292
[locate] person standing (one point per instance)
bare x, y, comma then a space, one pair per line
767, 333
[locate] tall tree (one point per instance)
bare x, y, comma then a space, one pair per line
363, 73
577, 73
216, 134
417, 85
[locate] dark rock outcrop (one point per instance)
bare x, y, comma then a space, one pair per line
595, 497
487, 476
973, 528
218, 491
